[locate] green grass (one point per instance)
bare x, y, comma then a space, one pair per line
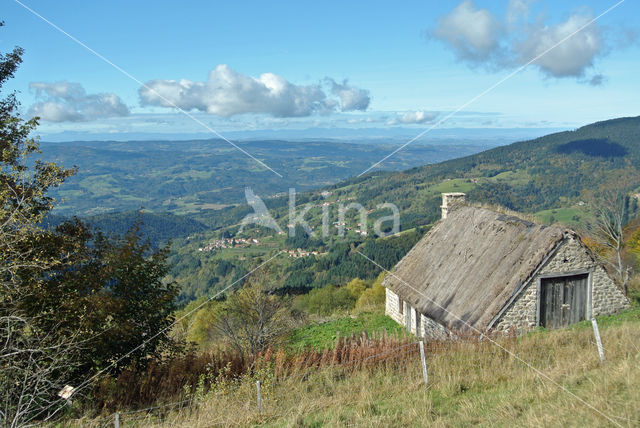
570, 216
449, 186
321, 336
547, 378
512, 178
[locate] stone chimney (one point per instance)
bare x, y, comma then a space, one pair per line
449, 200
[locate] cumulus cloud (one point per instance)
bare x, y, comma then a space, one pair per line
351, 98
68, 102
226, 93
517, 10
473, 34
477, 36
573, 56
413, 117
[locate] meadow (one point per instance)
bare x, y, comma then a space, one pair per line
545, 378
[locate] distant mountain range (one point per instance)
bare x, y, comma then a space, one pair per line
195, 175
367, 135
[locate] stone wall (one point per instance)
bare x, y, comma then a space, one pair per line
392, 307
433, 330
572, 256
428, 327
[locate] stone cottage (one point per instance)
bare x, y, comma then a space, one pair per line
481, 270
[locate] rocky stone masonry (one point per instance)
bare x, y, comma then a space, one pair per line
392, 307
428, 327
572, 256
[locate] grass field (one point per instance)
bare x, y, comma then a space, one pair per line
573, 216
546, 378
323, 336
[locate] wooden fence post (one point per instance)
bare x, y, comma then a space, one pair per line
116, 422
424, 362
259, 396
596, 333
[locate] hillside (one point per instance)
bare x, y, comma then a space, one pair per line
158, 228
543, 379
552, 171
548, 177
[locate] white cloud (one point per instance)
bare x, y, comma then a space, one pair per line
69, 102
351, 98
413, 117
477, 36
517, 10
474, 34
226, 93
572, 57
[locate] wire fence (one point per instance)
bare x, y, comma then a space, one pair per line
138, 415
360, 346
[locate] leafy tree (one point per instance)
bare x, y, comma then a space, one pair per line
33, 363
253, 319
356, 287
71, 301
328, 299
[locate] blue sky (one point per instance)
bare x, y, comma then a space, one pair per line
293, 65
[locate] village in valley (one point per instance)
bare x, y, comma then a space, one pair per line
224, 243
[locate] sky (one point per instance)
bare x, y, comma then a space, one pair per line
295, 65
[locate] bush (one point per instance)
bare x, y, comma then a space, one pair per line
356, 287
327, 300
371, 297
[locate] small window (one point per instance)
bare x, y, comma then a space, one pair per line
400, 305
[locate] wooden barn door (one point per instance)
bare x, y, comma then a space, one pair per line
563, 300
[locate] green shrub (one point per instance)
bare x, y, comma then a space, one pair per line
356, 287
371, 297
327, 300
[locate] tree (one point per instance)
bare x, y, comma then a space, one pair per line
71, 301
33, 363
610, 212
253, 319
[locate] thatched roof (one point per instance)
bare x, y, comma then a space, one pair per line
471, 264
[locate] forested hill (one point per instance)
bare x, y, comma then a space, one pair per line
158, 228
551, 171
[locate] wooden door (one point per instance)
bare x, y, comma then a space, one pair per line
563, 300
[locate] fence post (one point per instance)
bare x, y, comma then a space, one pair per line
424, 362
259, 396
596, 333
116, 422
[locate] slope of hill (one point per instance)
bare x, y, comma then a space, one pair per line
548, 176
554, 171
551, 171
547, 378
158, 228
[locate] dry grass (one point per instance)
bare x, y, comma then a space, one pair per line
470, 383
